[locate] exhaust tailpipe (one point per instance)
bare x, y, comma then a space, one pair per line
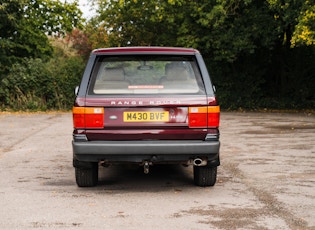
199, 162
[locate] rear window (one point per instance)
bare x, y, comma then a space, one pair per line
146, 74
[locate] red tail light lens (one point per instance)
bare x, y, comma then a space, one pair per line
88, 117
204, 117
213, 116
197, 117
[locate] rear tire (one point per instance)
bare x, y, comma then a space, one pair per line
87, 177
205, 175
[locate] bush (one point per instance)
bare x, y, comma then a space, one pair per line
24, 87
67, 73
35, 85
277, 79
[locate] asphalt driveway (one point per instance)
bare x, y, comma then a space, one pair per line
266, 180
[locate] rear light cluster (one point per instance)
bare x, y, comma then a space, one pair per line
204, 117
199, 117
88, 117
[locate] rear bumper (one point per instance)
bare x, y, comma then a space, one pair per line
139, 151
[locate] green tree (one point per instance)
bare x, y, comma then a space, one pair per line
10, 15
223, 29
259, 52
304, 33
134, 22
24, 27
226, 29
25, 49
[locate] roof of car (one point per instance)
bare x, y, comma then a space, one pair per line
145, 49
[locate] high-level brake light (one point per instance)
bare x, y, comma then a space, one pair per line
204, 116
88, 117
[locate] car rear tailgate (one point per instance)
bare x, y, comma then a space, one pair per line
144, 118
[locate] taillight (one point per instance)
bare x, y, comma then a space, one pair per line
213, 116
88, 117
197, 117
204, 117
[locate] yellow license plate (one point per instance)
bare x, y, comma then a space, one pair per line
146, 116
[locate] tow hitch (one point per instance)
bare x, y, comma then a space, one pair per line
146, 166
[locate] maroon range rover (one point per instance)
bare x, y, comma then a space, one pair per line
146, 105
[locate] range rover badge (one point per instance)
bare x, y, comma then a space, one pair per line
113, 117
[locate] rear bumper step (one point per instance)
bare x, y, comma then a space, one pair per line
145, 147
134, 151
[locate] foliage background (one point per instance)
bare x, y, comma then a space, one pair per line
260, 54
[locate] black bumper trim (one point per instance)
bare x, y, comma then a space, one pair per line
137, 150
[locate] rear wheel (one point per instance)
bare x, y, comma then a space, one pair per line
205, 175
87, 177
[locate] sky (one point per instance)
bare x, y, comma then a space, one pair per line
86, 8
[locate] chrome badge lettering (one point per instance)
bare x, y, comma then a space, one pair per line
158, 102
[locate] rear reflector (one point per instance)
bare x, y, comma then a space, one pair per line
88, 117
204, 117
